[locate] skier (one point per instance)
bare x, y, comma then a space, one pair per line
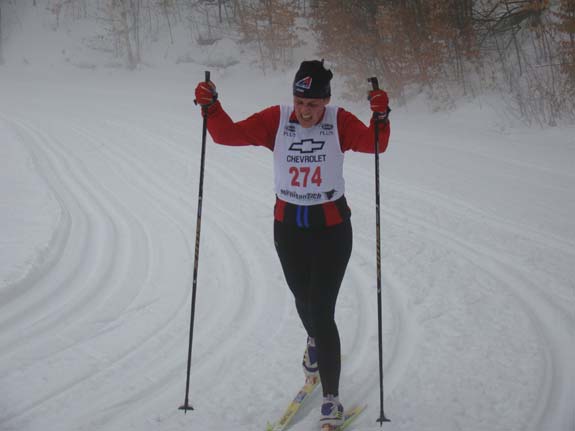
312, 228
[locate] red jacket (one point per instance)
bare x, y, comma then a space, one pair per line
261, 128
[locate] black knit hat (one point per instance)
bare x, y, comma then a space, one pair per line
312, 80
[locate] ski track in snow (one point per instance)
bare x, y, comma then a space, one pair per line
550, 319
95, 338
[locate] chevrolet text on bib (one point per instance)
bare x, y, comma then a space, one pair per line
308, 163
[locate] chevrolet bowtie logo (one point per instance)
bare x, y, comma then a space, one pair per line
307, 146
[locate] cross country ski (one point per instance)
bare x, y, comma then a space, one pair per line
294, 406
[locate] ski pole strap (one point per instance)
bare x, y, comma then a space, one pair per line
381, 117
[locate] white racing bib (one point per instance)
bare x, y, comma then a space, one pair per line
308, 163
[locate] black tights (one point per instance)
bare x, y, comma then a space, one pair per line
314, 263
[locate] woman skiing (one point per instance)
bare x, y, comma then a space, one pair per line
312, 227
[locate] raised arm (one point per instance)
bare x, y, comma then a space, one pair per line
258, 129
356, 136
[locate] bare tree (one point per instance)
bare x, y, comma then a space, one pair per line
448, 48
566, 28
1, 55
271, 23
124, 25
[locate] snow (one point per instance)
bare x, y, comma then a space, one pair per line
98, 192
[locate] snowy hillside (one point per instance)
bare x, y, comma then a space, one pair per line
98, 191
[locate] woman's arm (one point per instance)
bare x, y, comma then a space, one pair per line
258, 129
356, 136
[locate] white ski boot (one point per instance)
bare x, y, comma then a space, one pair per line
331, 413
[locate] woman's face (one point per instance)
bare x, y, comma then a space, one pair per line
309, 111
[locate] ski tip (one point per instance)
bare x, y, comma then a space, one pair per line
355, 410
273, 426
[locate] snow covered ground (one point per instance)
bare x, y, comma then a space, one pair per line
98, 188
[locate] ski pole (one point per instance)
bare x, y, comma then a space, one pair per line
382, 418
186, 406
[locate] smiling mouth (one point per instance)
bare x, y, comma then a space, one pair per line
306, 117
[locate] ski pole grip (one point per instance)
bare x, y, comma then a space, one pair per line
207, 79
374, 83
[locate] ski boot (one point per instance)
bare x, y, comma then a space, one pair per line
309, 363
331, 413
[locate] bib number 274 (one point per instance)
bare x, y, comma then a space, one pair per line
300, 176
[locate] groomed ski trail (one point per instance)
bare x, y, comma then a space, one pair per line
477, 304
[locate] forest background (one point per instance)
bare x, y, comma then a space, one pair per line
445, 50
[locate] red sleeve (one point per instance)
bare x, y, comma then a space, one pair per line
356, 136
258, 129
